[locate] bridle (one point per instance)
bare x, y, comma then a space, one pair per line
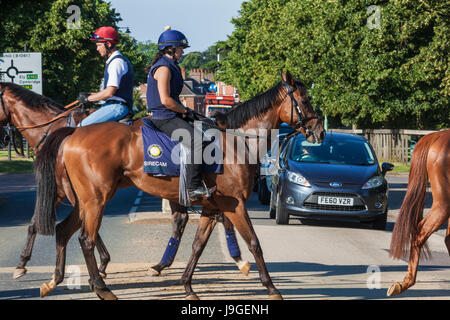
69, 108
2, 91
302, 121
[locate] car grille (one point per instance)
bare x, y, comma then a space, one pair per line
311, 202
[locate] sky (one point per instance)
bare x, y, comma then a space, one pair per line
203, 22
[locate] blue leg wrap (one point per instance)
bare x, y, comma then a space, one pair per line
170, 252
233, 246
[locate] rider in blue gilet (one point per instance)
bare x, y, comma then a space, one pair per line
164, 85
118, 81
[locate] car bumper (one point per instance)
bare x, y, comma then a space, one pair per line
368, 204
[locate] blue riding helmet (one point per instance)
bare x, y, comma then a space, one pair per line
172, 38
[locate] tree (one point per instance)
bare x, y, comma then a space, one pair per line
70, 61
393, 76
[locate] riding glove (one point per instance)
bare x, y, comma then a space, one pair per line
83, 97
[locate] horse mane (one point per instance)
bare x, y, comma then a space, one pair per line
30, 98
255, 107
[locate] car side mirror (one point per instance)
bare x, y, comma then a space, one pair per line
385, 167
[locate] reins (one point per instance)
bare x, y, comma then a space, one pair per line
70, 107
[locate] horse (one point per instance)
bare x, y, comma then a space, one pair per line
27, 111
118, 157
430, 161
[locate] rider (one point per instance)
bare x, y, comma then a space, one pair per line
118, 81
164, 85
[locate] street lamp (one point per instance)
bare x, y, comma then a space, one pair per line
127, 29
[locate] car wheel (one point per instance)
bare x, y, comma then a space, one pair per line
380, 222
281, 214
263, 192
272, 204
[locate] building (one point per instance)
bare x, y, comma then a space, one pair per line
195, 88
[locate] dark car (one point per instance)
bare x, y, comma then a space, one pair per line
262, 181
337, 179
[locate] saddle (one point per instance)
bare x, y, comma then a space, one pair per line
166, 157
161, 158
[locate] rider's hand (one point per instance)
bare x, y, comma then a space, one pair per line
190, 115
83, 97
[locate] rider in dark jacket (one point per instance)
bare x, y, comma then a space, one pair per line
164, 85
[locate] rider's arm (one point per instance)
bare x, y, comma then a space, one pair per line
106, 93
162, 76
116, 69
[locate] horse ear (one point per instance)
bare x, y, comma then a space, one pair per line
287, 77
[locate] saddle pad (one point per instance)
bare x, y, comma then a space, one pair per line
158, 153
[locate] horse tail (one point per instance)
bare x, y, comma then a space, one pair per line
47, 190
411, 212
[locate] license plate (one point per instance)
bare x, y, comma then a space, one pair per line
335, 201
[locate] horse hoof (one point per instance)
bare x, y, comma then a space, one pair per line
154, 272
45, 290
394, 290
19, 272
103, 275
192, 296
105, 294
244, 266
275, 297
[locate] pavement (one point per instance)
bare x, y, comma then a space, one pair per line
221, 280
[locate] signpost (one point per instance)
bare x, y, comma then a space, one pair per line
22, 68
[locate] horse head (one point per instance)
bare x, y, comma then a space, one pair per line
4, 115
297, 111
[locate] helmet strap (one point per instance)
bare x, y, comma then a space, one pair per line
108, 49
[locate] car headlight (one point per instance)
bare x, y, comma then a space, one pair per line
297, 179
373, 182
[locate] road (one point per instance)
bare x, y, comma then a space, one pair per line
306, 261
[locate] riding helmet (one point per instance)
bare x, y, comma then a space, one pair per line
172, 38
106, 34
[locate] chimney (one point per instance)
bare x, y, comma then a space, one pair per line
183, 73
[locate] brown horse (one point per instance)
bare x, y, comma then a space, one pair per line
100, 157
430, 160
25, 109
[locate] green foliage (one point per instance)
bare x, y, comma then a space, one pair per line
393, 76
206, 60
70, 61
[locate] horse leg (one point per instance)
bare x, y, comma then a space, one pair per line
432, 221
447, 237
205, 227
242, 222
105, 258
179, 220
233, 247
64, 231
93, 212
26, 252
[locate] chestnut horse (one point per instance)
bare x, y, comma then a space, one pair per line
98, 158
430, 160
24, 109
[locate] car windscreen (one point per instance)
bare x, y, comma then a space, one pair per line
212, 110
334, 151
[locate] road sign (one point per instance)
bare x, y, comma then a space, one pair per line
22, 68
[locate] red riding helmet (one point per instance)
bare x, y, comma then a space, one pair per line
106, 34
